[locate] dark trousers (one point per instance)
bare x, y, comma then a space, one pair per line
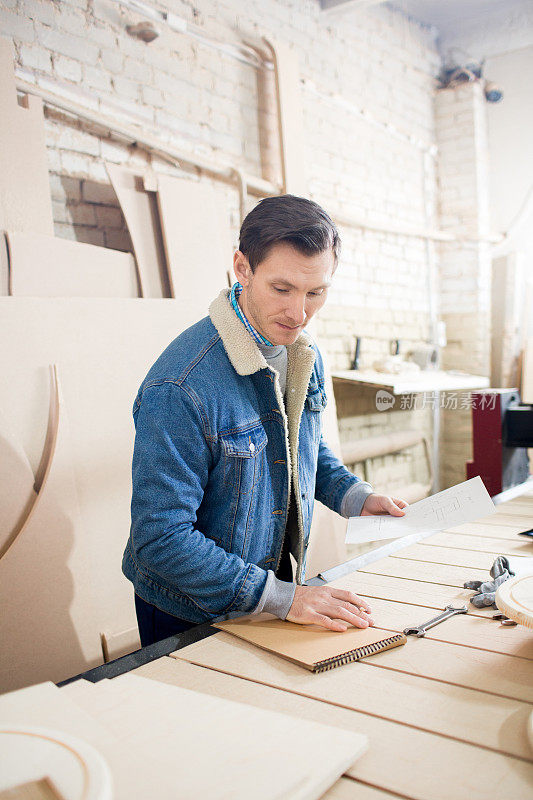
155, 624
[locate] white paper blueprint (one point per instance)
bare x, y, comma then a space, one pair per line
465, 502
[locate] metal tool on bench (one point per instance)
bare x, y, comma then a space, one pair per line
420, 630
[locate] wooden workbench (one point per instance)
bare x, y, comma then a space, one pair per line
446, 716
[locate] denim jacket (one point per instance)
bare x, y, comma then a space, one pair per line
217, 451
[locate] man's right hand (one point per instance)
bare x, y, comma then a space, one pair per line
331, 608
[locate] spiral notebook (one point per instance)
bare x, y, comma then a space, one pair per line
310, 646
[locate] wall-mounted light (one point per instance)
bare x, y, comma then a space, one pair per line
455, 74
493, 92
146, 31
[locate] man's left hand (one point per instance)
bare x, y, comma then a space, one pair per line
383, 504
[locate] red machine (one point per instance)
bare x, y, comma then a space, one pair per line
502, 430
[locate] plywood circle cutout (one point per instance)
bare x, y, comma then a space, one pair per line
70, 768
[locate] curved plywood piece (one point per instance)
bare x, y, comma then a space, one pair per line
4, 266
103, 349
17, 493
515, 599
47, 625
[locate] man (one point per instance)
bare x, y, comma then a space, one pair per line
229, 455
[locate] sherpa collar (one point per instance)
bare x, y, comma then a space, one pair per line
245, 356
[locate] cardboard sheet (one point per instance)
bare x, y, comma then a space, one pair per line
142, 218
424, 704
46, 266
104, 349
185, 732
196, 233
25, 201
465, 502
309, 646
400, 758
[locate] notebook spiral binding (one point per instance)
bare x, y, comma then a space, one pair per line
359, 652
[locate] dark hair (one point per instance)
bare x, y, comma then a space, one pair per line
287, 218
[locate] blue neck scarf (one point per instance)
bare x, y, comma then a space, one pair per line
235, 293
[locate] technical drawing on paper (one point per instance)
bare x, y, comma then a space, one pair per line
462, 503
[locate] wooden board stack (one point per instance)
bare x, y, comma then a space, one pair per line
187, 744
447, 715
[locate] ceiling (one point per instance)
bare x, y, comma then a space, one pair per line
448, 16
480, 27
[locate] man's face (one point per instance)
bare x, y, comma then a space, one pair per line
285, 291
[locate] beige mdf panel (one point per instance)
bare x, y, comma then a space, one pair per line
328, 529
290, 117
519, 507
16, 486
482, 670
464, 629
196, 234
520, 546
423, 703
142, 218
475, 530
349, 789
527, 372
447, 555
46, 706
185, 731
404, 590
510, 518
448, 654
423, 571
46, 266
413, 763
104, 349
4, 267
25, 202
47, 625
118, 644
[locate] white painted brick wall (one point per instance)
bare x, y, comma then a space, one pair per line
382, 63
465, 271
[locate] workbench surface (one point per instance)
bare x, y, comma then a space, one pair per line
446, 716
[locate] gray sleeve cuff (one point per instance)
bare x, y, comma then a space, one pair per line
354, 499
277, 597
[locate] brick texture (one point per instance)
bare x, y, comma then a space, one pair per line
367, 86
